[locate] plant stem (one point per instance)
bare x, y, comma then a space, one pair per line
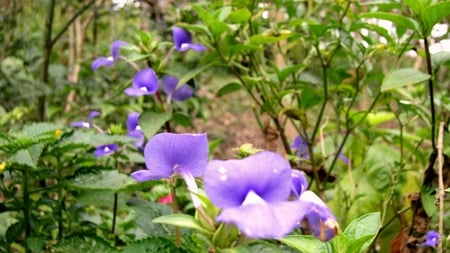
441, 194
175, 210
431, 93
26, 206
46, 55
116, 198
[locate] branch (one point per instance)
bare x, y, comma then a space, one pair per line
71, 20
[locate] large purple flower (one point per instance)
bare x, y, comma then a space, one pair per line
169, 85
183, 40
299, 183
86, 124
253, 193
106, 149
321, 222
145, 82
110, 60
169, 154
431, 239
134, 130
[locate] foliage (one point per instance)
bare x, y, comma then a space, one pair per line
356, 83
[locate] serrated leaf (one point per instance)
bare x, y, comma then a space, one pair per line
146, 211
104, 180
304, 243
152, 122
29, 156
228, 88
402, 77
153, 244
37, 129
182, 220
77, 244
434, 13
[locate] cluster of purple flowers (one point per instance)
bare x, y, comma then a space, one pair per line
145, 82
262, 186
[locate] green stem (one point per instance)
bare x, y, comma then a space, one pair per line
175, 210
26, 205
431, 93
116, 198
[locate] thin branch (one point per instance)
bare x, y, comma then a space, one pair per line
71, 20
441, 194
430, 92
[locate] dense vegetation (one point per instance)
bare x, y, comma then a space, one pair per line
111, 126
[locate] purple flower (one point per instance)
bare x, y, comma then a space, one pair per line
431, 239
109, 61
299, 183
183, 40
344, 158
169, 154
301, 146
134, 130
145, 82
321, 221
253, 193
106, 149
169, 85
87, 124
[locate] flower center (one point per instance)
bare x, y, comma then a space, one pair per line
252, 198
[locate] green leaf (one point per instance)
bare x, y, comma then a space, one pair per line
434, 13
362, 231
239, 16
288, 70
310, 97
182, 220
397, 19
104, 180
145, 211
29, 156
182, 119
417, 5
259, 39
77, 244
228, 88
402, 77
440, 58
379, 117
153, 244
339, 244
304, 243
152, 122
189, 75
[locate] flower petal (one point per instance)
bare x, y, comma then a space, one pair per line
146, 81
133, 121
180, 36
115, 46
83, 124
169, 84
106, 149
183, 93
265, 220
166, 150
102, 61
299, 183
321, 221
268, 174
139, 135
92, 115
193, 46
431, 239
191, 184
144, 175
